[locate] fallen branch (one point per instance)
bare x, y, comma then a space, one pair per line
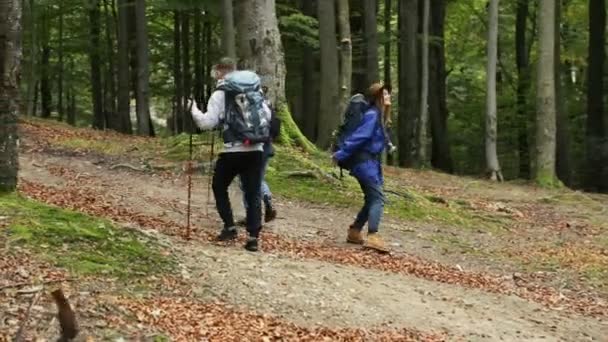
46, 282
301, 174
19, 336
405, 195
66, 317
127, 166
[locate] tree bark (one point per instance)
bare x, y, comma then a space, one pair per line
492, 163
33, 61
198, 65
178, 104
10, 65
346, 54
545, 97
95, 61
46, 97
440, 155
328, 114
144, 124
388, 35
186, 72
370, 28
310, 104
596, 137
228, 32
522, 56
70, 97
424, 88
113, 119
60, 63
408, 81
562, 157
124, 96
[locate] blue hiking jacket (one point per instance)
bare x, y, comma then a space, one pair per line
368, 137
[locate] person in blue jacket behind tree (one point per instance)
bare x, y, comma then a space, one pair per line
367, 143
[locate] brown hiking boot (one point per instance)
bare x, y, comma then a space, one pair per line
374, 241
354, 236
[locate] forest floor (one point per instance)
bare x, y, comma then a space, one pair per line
471, 260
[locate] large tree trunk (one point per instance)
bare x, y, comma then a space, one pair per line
328, 114
545, 97
95, 60
441, 157
424, 89
346, 53
408, 81
10, 63
523, 83
597, 139
144, 124
178, 104
492, 164
124, 96
310, 104
228, 33
259, 47
562, 157
370, 28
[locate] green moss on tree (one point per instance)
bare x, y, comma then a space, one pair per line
290, 132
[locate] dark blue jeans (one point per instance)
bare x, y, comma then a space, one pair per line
373, 208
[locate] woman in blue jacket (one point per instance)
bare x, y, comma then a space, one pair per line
366, 144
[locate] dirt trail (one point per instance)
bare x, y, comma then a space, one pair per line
311, 292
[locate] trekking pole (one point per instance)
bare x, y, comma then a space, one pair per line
212, 170
189, 182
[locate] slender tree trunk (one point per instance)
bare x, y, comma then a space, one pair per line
408, 81
198, 65
562, 157
60, 64
523, 83
346, 53
388, 35
310, 104
144, 124
370, 27
70, 97
545, 97
423, 157
596, 137
33, 61
124, 96
228, 32
178, 116
329, 115
45, 68
10, 64
95, 61
186, 72
441, 155
114, 121
210, 82
491, 133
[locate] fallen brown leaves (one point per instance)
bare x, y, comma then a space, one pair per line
93, 203
186, 320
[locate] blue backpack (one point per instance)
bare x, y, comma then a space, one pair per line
244, 119
357, 105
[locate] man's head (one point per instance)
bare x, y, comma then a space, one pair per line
223, 67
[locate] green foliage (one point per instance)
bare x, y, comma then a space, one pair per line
300, 28
83, 244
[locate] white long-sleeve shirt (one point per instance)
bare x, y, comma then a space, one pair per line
214, 116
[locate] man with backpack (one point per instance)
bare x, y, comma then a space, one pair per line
360, 142
237, 106
270, 213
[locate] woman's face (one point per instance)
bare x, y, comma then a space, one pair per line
386, 97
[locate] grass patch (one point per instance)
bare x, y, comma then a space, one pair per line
82, 244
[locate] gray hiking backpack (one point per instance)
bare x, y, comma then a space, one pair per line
244, 120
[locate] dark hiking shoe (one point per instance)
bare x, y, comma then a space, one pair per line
270, 214
252, 244
227, 234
